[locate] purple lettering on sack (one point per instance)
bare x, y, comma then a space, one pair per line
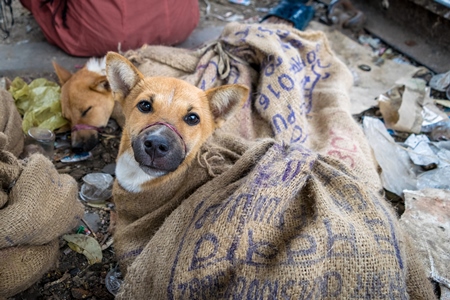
397, 288
295, 253
275, 122
9, 240
276, 94
311, 289
264, 209
243, 34
236, 289
283, 33
393, 234
260, 253
293, 168
323, 67
203, 85
384, 243
342, 199
263, 29
194, 288
253, 290
240, 228
212, 213
171, 287
208, 242
297, 135
291, 116
270, 289
271, 65
264, 101
346, 241
296, 43
372, 284
287, 289
286, 82
264, 176
331, 285
131, 253
311, 57
207, 287
234, 75
309, 86
297, 64
284, 46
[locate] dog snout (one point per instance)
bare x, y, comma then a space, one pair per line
158, 149
156, 146
84, 140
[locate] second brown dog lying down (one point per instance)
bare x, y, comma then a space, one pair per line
87, 102
167, 121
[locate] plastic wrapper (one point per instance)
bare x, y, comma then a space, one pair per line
113, 280
442, 150
38, 103
420, 151
440, 82
438, 131
437, 178
397, 169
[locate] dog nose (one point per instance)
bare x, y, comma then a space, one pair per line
156, 146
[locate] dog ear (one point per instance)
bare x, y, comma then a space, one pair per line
121, 74
225, 100
100, 85
63, 74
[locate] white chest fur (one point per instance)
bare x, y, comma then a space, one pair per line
128, 173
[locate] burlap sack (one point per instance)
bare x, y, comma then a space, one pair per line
37, 205
297, 214
10, 123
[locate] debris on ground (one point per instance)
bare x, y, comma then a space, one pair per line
405, 120
427, 218
38, 103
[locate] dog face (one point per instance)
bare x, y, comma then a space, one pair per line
86, 101
167, 121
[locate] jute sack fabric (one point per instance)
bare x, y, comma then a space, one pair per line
37, 205
11, 123
283, 202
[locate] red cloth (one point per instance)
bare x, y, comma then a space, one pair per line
97, 26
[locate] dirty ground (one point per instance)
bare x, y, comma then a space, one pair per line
74, 278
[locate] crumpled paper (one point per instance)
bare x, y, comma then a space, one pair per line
38, 103
407, 106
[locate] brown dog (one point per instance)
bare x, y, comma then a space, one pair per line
167, 121
86, 101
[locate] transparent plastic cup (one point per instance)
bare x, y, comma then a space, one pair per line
97, 188
44, 139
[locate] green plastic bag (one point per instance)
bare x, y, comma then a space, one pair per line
38, 103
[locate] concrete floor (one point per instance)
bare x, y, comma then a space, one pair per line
35, 58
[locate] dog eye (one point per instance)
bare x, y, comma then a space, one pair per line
192, 119
83, 114
145, 106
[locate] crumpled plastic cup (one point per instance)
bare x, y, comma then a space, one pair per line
113, 281
97, 188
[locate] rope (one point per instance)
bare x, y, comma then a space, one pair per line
224, 64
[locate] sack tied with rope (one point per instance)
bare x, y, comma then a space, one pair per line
283, 202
